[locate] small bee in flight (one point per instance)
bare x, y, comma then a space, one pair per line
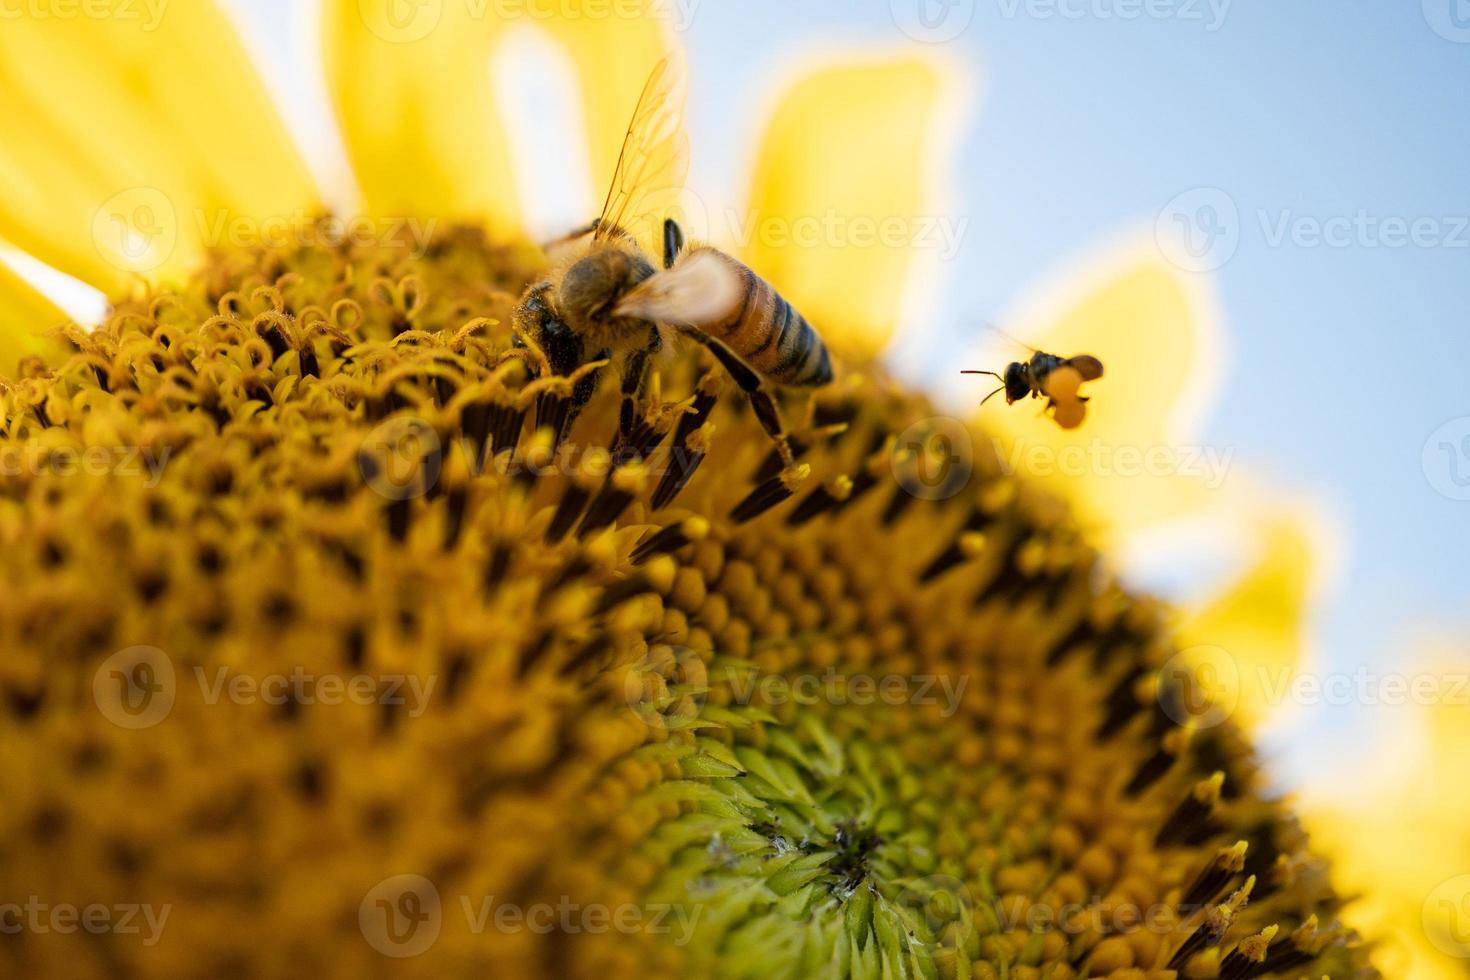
603, 295
1057, 378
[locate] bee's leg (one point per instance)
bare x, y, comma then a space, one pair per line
635, 373
673, 242
564, 353
756, 390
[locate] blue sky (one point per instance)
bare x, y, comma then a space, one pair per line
1343, 360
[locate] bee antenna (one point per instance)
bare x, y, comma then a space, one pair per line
992, 395
991, 373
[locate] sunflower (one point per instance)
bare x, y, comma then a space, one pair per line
331, 646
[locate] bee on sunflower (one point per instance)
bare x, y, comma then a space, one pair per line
346, 633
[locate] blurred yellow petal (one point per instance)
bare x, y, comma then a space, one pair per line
1259, 621
1396, 833
1137, 460
25, 316
132, 140
839, 194
411, 83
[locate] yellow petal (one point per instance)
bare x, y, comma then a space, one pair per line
25, 317
841, 194
132, 140
1259, 620
1137, 459
1394, 825
411, 84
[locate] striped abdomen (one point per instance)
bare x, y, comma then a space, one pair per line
768, 333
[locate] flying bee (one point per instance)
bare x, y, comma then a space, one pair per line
605, 297
1058, 379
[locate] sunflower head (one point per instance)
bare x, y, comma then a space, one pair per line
361, 655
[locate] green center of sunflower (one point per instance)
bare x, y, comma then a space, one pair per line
878, 715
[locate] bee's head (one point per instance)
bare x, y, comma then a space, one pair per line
1018, 381
593, 286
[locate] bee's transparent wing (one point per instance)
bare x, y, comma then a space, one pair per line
1088, 366
703, 289
654, 162
999, 332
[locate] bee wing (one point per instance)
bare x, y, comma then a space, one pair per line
999, 332
1088, 366
654, 161
703, 289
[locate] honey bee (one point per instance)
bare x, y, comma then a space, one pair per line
604, 297
1056, 378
